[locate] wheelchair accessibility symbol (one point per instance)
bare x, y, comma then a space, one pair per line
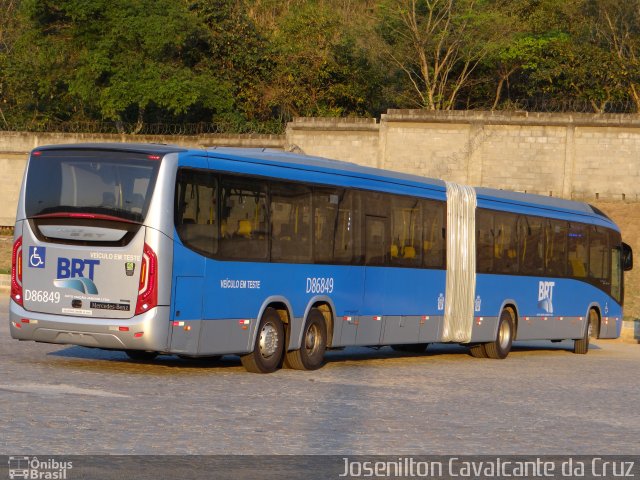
37, 257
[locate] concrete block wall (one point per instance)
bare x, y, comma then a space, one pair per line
580, 156
15, 147
350, 139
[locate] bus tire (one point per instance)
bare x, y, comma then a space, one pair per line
501, 346
581, 345
141, 355
269, 345
411, 347
310, 356
478, 350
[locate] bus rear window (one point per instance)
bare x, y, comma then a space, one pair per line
116, 184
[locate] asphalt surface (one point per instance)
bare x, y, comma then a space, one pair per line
542, 399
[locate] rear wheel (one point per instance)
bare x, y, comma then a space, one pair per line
269, 345
411, 347
310, 356
581, 346
501, 346
141, 355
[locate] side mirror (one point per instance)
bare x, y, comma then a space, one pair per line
627, 257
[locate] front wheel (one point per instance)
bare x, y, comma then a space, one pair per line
581, 345
269, 345
501, 346
478, 350
314, 343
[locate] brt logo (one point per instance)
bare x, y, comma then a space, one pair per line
77, 274
545, 296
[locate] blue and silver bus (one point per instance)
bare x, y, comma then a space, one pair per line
276, 257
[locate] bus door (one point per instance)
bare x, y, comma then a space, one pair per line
197, 237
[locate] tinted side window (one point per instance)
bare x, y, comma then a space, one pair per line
347, 237
484, 241
505, 250
196, 210
325, 222
599, 257
433, 234
406, 232
577, 250
531, 241
555, 248
290, 223
615, 245
243, 222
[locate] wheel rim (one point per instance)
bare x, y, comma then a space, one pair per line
312, 339
504, 335
268, 340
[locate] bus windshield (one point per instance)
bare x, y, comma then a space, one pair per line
114, 184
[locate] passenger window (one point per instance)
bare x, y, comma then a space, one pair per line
615, 244
531, 241
290, 223
578, 250
196, 210
325, 207
347, 238
484, 241
376, 244
555, 248
406, 232
505, 249
243, 222
433, 234
599, 257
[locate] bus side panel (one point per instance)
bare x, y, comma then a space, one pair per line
404, 298
547, 307
237, 291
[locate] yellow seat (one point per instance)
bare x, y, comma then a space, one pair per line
409, 252
244, 228
577, 268
394, 251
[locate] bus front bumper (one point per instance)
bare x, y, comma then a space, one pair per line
149, 331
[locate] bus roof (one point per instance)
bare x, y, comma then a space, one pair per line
150, 148
325, 165
321, 164
504, 197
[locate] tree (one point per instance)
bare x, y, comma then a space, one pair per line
318, 67
439, 44
616, 25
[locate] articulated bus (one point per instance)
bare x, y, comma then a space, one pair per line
277, 257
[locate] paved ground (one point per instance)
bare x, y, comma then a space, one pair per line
542, 399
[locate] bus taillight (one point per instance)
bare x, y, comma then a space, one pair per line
16, 272
148, 290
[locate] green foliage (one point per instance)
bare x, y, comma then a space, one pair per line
251, 65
